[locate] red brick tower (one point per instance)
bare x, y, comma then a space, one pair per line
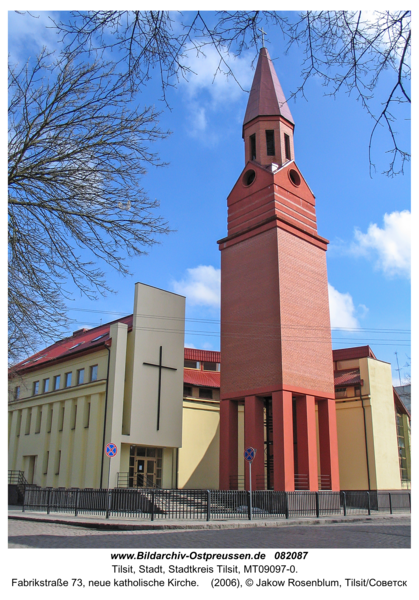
275, 326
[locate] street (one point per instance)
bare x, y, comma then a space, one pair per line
376, 534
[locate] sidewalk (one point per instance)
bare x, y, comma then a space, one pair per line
135, 524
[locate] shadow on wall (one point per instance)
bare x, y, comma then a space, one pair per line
206, 473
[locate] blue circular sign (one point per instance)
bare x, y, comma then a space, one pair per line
111, 450
249, 454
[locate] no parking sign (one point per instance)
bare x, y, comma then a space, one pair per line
111, 450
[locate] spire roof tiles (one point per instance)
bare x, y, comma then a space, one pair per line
266, 96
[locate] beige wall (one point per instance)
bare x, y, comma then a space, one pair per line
199, 455
381, 436
383, 425
55, 428
158, 322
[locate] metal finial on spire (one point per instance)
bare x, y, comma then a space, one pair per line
263, 36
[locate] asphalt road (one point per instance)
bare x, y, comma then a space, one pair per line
376, 534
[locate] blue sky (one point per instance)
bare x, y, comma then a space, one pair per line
367, 220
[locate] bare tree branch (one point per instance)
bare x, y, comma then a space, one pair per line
77, 151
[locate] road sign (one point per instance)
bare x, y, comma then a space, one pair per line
249, 454
111, 450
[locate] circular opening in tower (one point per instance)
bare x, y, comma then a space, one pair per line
294, 176
249, 177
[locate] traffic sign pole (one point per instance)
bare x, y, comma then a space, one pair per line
111, 450
249, 455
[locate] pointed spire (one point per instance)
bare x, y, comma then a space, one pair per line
266, 96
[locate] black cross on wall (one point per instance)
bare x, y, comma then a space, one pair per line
160, 367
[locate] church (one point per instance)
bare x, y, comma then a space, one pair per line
181, 418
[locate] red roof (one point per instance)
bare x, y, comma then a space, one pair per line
266, 97
202, 355
209, 379
82, 341
347, 377
350, 353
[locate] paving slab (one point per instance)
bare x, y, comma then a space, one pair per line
135, 524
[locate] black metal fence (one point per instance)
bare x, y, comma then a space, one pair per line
209, 505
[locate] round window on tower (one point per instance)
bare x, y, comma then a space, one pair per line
249, 177
294, 177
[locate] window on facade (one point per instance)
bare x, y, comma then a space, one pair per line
68, 379
340, 392
58, 462
28, 422
93, 373
46, 462
252, 140
210, 366
45, 387
19, 423
49, 422
191, 364
38, 421
80, 376
270, 143
287, 147
35, 388
87, 415
74, 417
17, 392
61, 423
205, 393
187, 390
57, 380
401, 442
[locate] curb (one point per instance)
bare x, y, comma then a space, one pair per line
115, 526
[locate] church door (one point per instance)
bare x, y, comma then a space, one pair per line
145, 471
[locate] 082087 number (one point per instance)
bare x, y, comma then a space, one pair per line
290, 555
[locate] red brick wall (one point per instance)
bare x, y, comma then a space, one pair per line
250, 340
275, 319
305, 320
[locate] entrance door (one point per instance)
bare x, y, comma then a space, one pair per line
145, 472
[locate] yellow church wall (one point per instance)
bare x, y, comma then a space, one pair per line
199, 454
383, 425
55, 436
351, 445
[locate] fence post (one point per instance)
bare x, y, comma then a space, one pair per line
24, 498
391, 506
76, 504
317, 505
152, 505
287, 511
344, 504
369, 503
108, 504
49, 501
410, 503
208, 505
249, 505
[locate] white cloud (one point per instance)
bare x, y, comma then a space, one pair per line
29, 34
201, 286
207, 88
189, 345
342, 309
206, 77
389, 246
